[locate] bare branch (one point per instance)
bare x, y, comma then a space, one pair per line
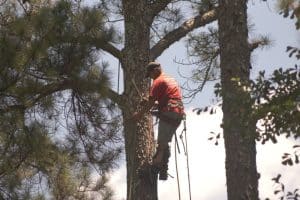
183, 30
255, 44
108, 47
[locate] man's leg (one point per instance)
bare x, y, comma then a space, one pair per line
163, 173
161, 159
166, 129
159, 156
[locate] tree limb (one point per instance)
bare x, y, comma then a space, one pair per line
108, 47
158, 6
43, 92
115, 97
183, 30
255, 44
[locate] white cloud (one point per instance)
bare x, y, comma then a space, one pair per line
207, 164
206, 161
269, 166
118, 183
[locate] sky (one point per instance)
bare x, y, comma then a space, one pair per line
207, 164
207, 161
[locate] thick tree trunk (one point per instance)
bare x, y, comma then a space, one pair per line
139, 137
239, 130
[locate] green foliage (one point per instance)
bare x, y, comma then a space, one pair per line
277, 103
281, 192
275, 106
290, 8
56, 122
291, 159
293, 51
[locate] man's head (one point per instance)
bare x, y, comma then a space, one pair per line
153, 70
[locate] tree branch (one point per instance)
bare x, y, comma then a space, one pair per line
181, 31
52, 88
158, 6
43, 92
255, 44
108, 47
115, 97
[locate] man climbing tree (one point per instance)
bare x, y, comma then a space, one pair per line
166, 92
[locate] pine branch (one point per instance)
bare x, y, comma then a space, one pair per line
183, 30
43, 92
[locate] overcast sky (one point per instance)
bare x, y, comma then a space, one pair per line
207, 161
207, 165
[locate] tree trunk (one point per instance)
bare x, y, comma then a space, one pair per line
239, 129
139, 137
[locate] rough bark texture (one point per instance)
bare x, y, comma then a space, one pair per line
239, 131
139, 141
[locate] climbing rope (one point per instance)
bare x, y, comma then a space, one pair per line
187, 157
185, 147
119, 69
177, 175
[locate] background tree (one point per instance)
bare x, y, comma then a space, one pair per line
274, 100
238, 128
57, 125
224, 53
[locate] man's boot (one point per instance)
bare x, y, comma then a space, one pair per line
163, 173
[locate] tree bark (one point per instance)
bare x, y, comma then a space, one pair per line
139, 137
239, 129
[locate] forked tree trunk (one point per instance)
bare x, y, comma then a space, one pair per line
239, 130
